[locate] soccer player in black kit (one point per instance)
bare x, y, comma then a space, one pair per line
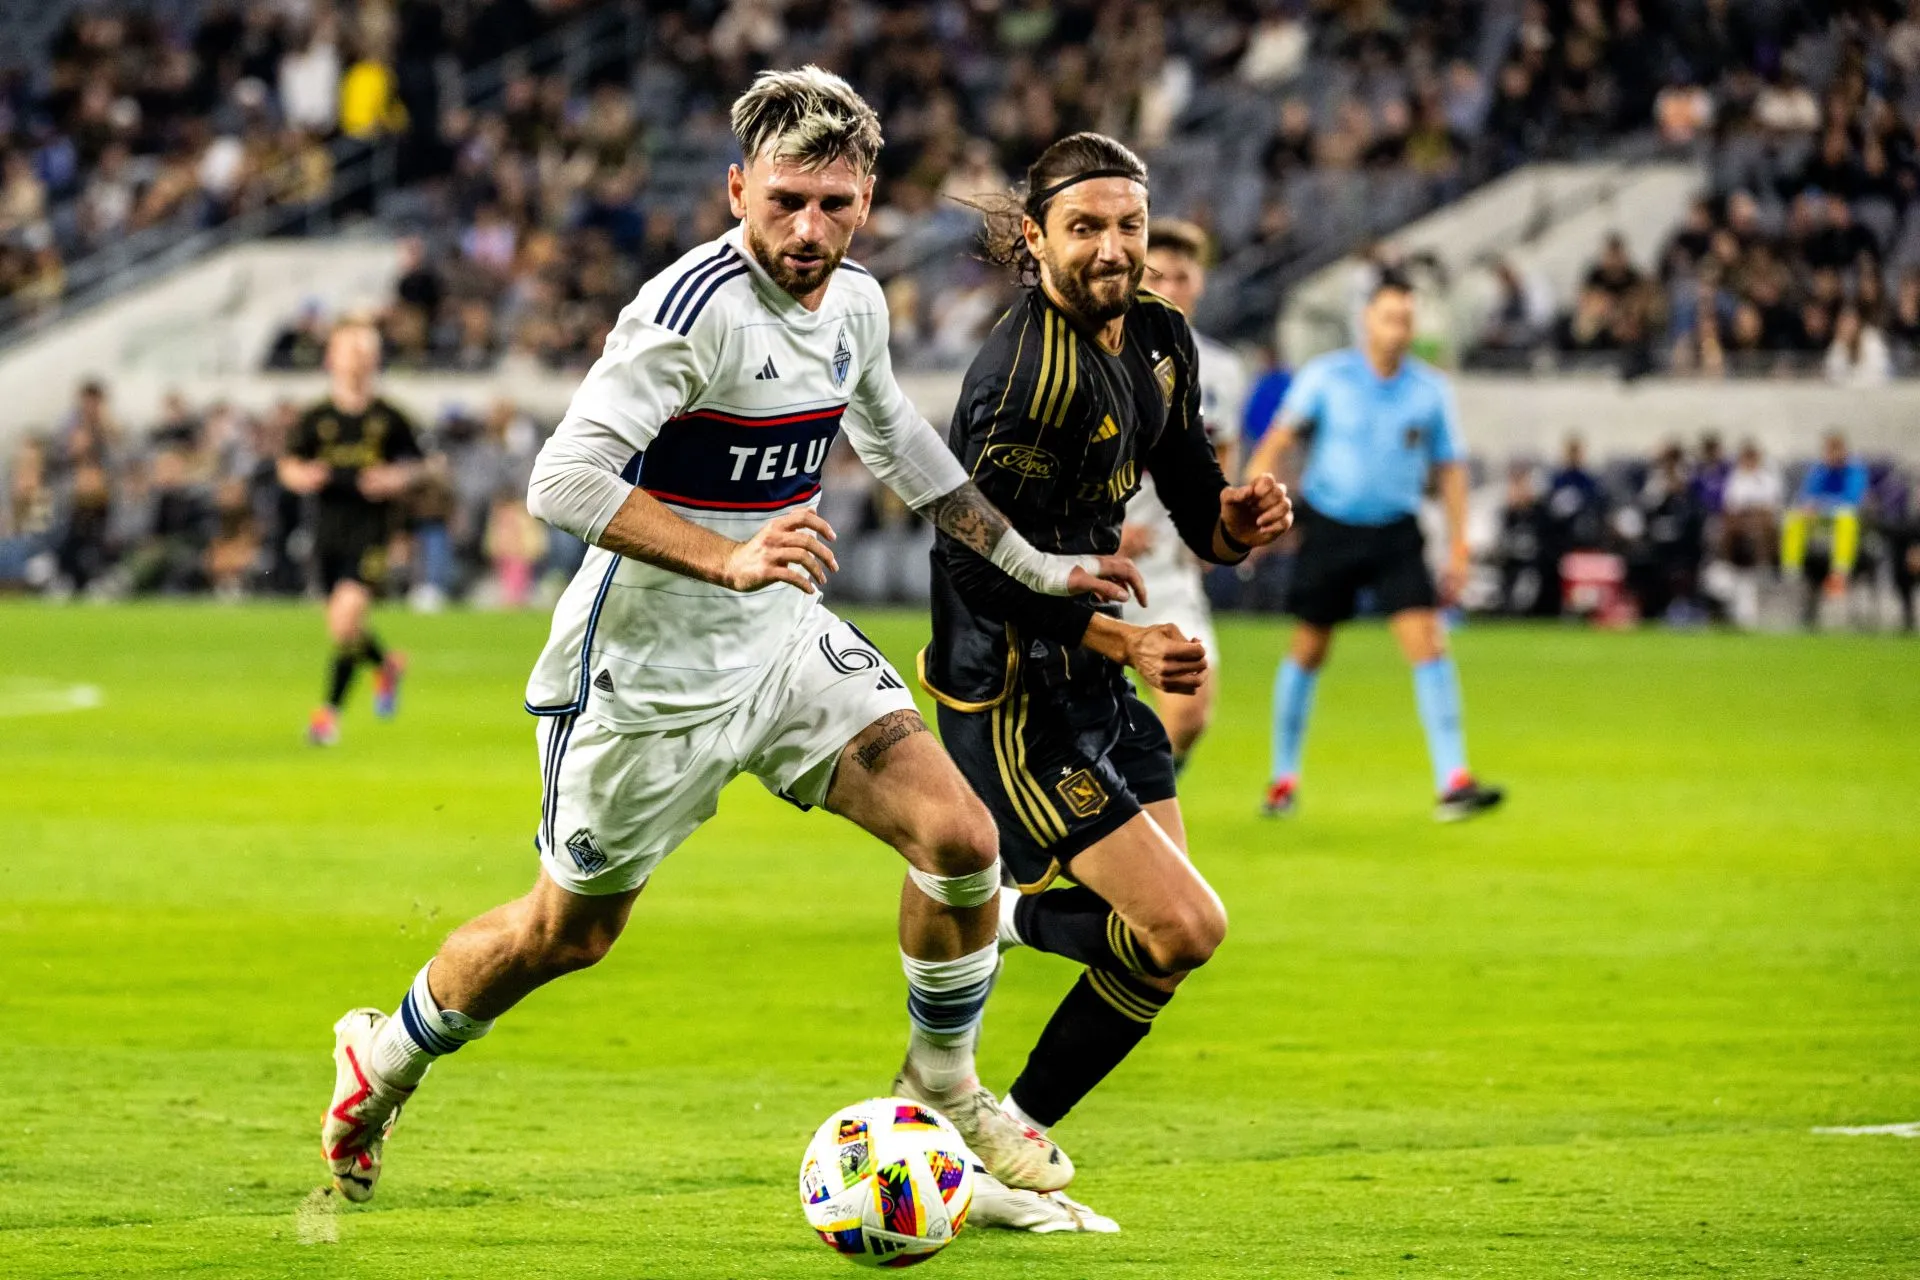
1087, 381
357, 455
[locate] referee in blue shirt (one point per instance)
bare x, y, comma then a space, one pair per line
1375, 423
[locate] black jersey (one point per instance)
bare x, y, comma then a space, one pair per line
1056, 431
347, 443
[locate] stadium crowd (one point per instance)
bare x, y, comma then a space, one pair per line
1804, 256
191, 504
129, 122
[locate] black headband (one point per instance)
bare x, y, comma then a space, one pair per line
1036, 201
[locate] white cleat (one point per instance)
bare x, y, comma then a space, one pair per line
1017, 1155
363, 1111
995, 1204
1007, 935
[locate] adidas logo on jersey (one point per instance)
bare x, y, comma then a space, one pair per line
767, 372
1108, 429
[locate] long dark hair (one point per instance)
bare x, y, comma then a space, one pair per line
1074, 158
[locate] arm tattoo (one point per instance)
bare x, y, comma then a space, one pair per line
895, 726
967, 517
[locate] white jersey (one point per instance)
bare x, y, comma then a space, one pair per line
1223, 399
727, 394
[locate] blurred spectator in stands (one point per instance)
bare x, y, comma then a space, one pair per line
1576, 503
1528, 578
1291, 147
1821, 536
1663, 563
1858, 357
1522, 312
1614, 274
27, 518
302, 344
1683, 112
1707, 479
1897, 517
170, 555
420, 282
1749, 531
309, 77
233, 551
83, 553
369, 96
1590, 325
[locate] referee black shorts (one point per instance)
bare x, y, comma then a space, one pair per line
1060, 769
1338, 560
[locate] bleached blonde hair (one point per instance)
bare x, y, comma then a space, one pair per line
807, 117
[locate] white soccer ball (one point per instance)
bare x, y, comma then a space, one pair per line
887, 1182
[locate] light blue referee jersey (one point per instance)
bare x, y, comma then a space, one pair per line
1374, 439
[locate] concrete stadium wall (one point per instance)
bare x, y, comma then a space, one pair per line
214, 318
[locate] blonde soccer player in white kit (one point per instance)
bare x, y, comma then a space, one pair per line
1177, 254
693, 646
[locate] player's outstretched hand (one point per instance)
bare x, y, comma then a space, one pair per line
790, 548
1112, 580
1257, 512
1166, 659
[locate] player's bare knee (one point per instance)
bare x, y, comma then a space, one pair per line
964, 843
1187, 939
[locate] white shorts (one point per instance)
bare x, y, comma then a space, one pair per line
1176, 595
613, 805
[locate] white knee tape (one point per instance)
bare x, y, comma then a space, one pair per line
959, 891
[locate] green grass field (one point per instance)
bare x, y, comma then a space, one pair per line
1588, 1036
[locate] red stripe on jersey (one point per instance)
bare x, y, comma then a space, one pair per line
680, 500
738, 420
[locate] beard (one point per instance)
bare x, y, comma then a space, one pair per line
797, 283
1096, 298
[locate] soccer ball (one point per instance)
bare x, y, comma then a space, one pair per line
887, 1182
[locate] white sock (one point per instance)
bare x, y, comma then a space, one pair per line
418, 1032
1012, 1108
945, 1001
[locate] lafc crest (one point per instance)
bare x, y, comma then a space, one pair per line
1163, 371
1082, 792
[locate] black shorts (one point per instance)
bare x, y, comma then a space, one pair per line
1060, 769
350, 558
1337, 560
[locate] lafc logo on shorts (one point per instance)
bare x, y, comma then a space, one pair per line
1082, 792
585, 852
1023, 460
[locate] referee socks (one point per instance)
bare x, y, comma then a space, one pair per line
1436, 686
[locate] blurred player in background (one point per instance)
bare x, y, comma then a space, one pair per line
357, 455
1821, 535
692, 646
1177, 256
1084, 384
1376, 423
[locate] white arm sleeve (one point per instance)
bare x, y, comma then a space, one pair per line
647, 374
577, 485
898, 445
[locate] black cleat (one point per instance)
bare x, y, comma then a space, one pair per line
1468, 800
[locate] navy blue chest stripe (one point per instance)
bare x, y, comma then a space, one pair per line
660, 316
683, 325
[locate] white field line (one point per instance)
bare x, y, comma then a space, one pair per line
1910, 1129
45, 698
